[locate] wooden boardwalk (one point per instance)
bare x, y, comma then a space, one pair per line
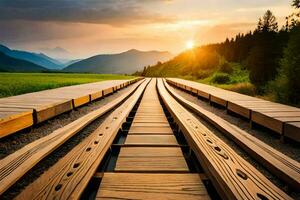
151, 168
282, 119
149, 147
22, 111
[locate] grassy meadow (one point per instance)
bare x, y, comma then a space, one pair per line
20, 83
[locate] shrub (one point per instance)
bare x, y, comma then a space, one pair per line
220, 78
201, 74
226, 68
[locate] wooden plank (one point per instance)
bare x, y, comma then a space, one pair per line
236, 108
150, 130
44, 113
81, 101
142, 114
268, 122
96, 95
145, 159
276, 113
218, 100
150, 124
151, 140
161, 118
203, 94
292, 130
281, 165
151, 164
152, 186
15, 122
18, 163
194, 91
150, 151
107, 91
148, 120
68, 178
233, 177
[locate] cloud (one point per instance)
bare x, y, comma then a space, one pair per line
84, 11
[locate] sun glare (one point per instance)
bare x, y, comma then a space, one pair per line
189, 44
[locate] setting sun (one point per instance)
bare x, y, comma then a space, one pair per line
189, 44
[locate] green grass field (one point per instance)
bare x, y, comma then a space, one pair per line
21, 83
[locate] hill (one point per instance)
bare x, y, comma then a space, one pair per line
38, 59
124, 63
197, 63
9, 64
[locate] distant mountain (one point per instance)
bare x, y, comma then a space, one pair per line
124, 63
57, 62
57, 52
70, 62
38, 59
9, 64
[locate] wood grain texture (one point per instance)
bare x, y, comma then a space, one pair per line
150, 130
233, 177
150, 124
18, 163
12, 122
52, 110
281, 165
151, 164
151, 140
150, 151
156, 159
152, 186
70, 175
81, 101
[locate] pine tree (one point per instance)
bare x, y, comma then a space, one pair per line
296, 3
268, 23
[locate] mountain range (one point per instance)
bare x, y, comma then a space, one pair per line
57, 52
38, 59
9, 64
123, 63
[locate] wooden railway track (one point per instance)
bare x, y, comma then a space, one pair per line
150, 147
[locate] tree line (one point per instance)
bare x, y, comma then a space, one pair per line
271, 54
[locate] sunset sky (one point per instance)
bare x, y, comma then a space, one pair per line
88, 27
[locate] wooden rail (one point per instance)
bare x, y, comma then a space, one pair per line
233, 177
22, 111
18, 163
280, 118
281, 165
70, 175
